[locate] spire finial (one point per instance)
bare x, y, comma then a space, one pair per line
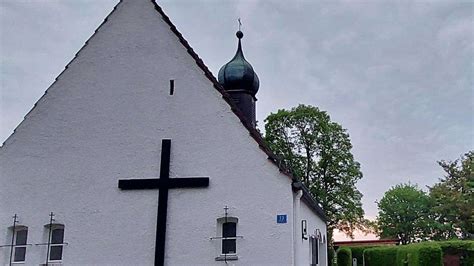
239, 34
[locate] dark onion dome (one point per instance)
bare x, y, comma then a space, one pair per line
238, 74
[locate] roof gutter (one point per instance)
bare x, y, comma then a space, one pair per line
308, 199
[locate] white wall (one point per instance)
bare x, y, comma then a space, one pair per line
103, 120
313, 223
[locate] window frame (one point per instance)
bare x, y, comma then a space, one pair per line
19, 228
51, 229
220, 231
231, 237
220, 227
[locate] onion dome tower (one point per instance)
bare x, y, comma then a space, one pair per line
241, 82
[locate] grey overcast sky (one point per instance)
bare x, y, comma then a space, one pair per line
397, 74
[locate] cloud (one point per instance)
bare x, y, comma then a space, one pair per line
397, 75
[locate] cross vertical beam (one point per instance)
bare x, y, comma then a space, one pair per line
164, 183
163, 202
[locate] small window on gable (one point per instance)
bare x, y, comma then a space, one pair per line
56, 243
227, 236
20, 237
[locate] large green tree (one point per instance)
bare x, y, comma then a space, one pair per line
453, 199
404, 213
318, 152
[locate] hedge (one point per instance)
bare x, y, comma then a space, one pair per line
386, 256
331, 256
410, 255
358, 253
456, 246
407, 255
430, 255
344, 256
468, 260
419, 254
463, 247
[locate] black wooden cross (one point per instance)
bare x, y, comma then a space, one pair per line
164, 183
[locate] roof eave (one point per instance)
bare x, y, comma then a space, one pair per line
309, 199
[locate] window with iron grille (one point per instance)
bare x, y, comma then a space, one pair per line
229, 230
19, 249
55, 252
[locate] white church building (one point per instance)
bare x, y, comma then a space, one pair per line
138, 155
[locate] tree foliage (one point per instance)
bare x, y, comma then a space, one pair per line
318, 152
404, 213
453, 199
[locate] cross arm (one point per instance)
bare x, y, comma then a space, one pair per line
189, 182
154, 183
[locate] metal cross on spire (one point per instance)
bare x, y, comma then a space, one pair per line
240, 23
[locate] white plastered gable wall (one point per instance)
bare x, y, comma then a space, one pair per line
103, 120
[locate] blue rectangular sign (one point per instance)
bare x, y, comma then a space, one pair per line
282, 218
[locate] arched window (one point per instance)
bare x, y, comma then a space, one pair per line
227, 229
56, 242
19, 240
229, 234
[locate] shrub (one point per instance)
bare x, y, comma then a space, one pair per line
430, 255
358, 253
423, 254
405, 256
465, 248
331, 255
468, 260
344, 257
455, 246
386, 256
419, 254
